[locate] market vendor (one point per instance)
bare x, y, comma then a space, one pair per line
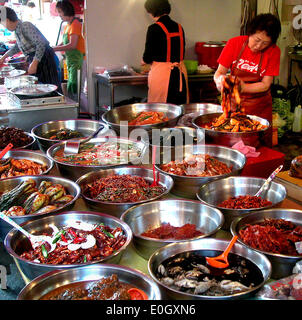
255, 59
35, 47
164, 50
73, 45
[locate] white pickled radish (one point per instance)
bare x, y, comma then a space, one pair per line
89, 243
74, 246
80, 225
55, 229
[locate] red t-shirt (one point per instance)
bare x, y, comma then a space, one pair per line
249, 60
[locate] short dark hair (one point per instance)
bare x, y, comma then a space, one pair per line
158, 7
10, 14
67, 8
266, 22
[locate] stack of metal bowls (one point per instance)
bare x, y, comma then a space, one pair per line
151, 215
188, 186
115, 208
282, 265
128, 112
249, 138
10, 183
75, 171
16, 243
50, 281
213, 193
84, 126
210, 248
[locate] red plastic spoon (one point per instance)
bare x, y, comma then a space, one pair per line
5, 150
221, 261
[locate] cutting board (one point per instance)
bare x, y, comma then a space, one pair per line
292, 185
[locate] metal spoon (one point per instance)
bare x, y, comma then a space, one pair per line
268, 180
34, 240
72, 146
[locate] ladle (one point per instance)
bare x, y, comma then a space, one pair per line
5, 150
268, 180
221, 261
34, 240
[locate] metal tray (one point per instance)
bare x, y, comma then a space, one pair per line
34, 90
11, 74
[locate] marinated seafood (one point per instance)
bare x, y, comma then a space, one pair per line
273, 235
245, 202
11, 167
148, 117
189, 272
109, 288
62, 134
26, 198
166, 231
78, 242
199, 165
104, 154
15, 136
122, 188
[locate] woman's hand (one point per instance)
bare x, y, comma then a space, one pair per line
219, 76
32, 69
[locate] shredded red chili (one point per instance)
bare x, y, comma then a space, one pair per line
273, 235
122, 188
166, 231
245, 202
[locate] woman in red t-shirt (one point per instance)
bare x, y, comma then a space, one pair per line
255, 59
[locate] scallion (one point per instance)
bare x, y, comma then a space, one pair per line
44, 251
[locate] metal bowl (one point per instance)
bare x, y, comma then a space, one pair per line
228, 139
86, 127
27, 146
192, 110
206, 247
55, 279
74, 171
117, 209
128, 112
16, 243
10, 183
213, 193
282, 265
185, 186
151, 215
33, 156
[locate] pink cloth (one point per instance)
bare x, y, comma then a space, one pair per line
248, 151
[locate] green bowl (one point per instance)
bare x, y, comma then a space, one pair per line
191, 66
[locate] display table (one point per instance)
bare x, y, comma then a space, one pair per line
130, 258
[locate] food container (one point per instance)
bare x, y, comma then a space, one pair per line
186, 186
251, 138
213, 193
282, 265
57, 278
210, 248
26, 146
32, 156
84, 126
10, 183
209, 52
191, 66
75, 171
114, 208
151, 215
128, 112
16, 243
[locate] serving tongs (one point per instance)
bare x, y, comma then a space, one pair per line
268, 180
72, 146
35, 241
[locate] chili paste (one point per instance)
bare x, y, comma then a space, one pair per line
245, 202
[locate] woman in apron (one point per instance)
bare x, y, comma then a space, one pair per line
41, 59
164, 50
255, 59
73, 45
